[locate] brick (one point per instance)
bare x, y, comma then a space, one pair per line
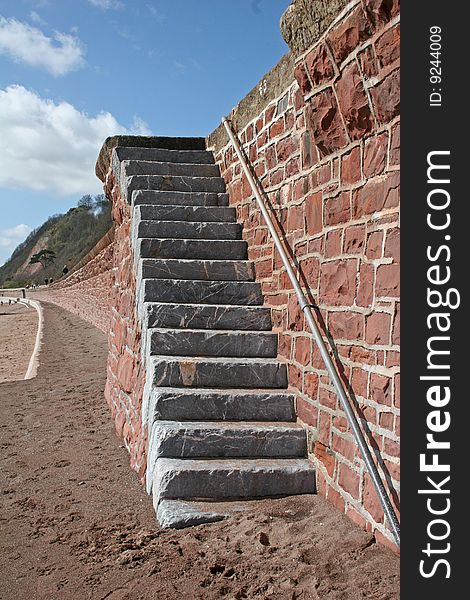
381, 389
310, 269
368, 62
378, 326
396, 391
327, 399
324, 455
371, 501
380, 12
396, 326
354, 239
387, 47
386, 420
295, 377
392, 245
300, 73
386, 98
276, 128
375, 155
309, 157
303, 350
353, 102
346, 448
349, 480
338, 282
346, 325
324, 427
359, 382
324, 121
314, 213
337, 209
394, 154
319, 65
300, 188
347, 36
351, 166
310, 388
374, 245
295, 217
365, 289
388, 281
286, 147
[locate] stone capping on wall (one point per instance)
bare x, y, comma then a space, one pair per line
100, 245
141, 141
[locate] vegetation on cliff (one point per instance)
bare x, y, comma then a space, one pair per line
69, 237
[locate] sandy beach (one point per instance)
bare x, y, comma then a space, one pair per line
76, 523
18, 327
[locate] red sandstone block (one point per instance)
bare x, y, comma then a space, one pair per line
310, 387
333, 243
374, 245
293, 167
337, 209
353, 102
303, 350
285, 345
392, 245
299, 101
354, 239
277, 128
319, 65
371, 501
347, 36
378, 328
325, 456
336, 499
387, 47
264, 268
300, 188
393, 469
386, 97
391, 447
340, 423
346, 325
300, 73
386, 420
295, 317
343, 446
324, 427
286, 148
295, 377
396, 326
295, 217
306, 412
388, 281
375, 155
310, 268
269, 114
394, 155
380, 12
324, 121
396, 391
368, 62
359, 382
363, 355
381, 389
349, 480
309, 152
259, 124
393, 359
277, 177
351, 166
376, 195
338, 282
313, 213
327, 399
385, 541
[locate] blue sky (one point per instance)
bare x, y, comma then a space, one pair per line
73, 72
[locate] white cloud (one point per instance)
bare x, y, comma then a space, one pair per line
23, 43
10, 238
106, 4
33, 15
53, 146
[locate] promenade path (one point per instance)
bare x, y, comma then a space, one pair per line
75, 522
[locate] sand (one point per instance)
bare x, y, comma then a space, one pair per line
18, 327
76, 524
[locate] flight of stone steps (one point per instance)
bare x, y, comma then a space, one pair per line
220, 419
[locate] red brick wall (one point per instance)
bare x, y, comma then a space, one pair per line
125, 372
87, 291
326, 151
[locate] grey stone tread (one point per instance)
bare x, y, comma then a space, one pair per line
189, 230
164, 155
177, 514
210, 372
195, 404
177, 212
192, 249
147, 167
203, 342
162, 198
231, 478
177, 183
208, 316
173, 439
201, 292
211, 270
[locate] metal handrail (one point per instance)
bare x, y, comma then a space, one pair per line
330, 367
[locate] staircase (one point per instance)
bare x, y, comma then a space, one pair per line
221, 422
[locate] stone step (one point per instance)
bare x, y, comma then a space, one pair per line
173, 439
207, 372
204, 342
189, 230
206, 214
192, 249
207, 316
193, 404
201, 292
168, 183
158, 198
231, 478
213, 270
146, 167
164, 155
